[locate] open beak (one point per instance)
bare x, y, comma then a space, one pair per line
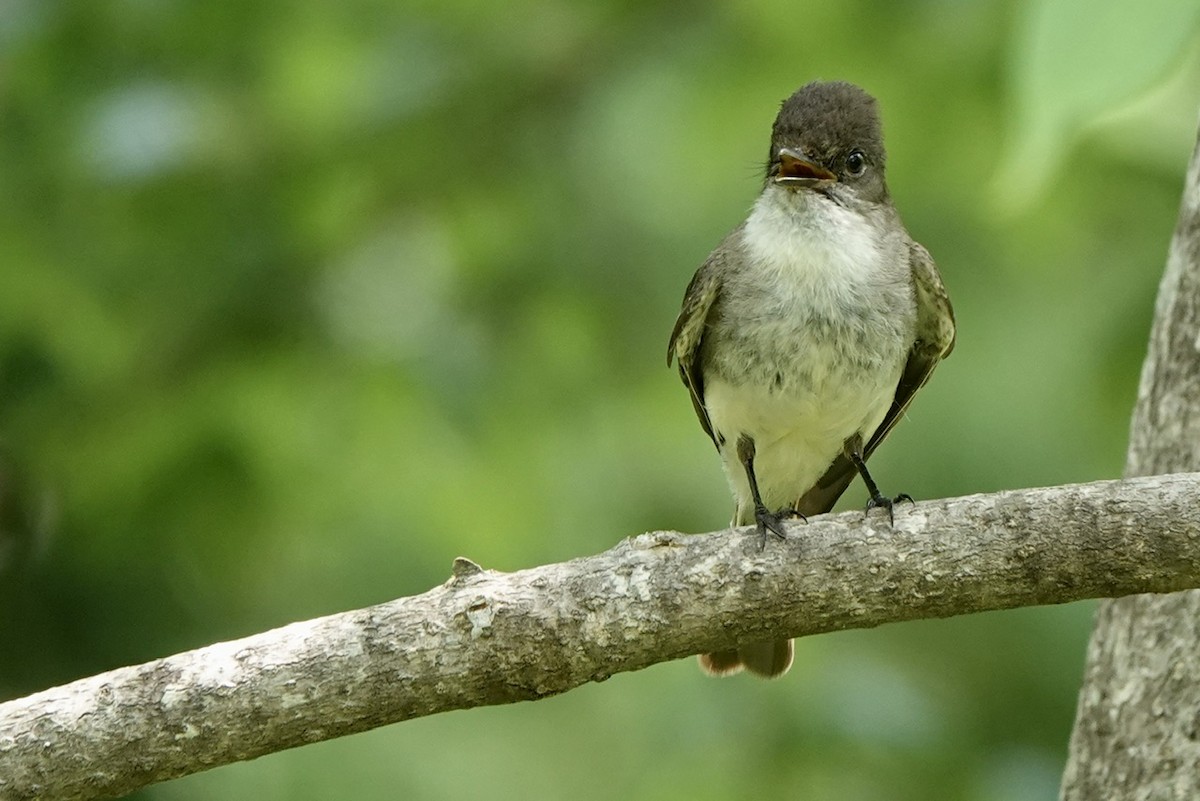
796, 172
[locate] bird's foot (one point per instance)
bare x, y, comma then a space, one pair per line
881, 501
773, 522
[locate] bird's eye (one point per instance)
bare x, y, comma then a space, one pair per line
856, 163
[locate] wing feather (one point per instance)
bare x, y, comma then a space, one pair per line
688, 334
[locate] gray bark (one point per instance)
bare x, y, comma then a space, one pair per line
485, 637
1137, 728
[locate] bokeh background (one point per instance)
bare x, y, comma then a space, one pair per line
299, 301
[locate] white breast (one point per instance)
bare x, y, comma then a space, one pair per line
814, 383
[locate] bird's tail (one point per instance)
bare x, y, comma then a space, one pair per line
767, 659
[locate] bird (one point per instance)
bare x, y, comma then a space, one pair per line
805, 334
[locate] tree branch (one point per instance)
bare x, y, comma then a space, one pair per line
486, 637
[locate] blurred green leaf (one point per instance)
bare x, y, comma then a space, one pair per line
1072, 61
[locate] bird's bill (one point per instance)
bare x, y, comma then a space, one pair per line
795, 171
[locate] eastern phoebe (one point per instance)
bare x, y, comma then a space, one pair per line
806, 333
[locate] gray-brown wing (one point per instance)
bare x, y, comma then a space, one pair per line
934, 342
688, 333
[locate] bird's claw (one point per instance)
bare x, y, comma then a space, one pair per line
773, 522
882, 501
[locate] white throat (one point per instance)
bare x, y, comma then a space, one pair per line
811, 240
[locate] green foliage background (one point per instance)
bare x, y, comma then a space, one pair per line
299, 301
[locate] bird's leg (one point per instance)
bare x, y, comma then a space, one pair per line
765, 519
854, 451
